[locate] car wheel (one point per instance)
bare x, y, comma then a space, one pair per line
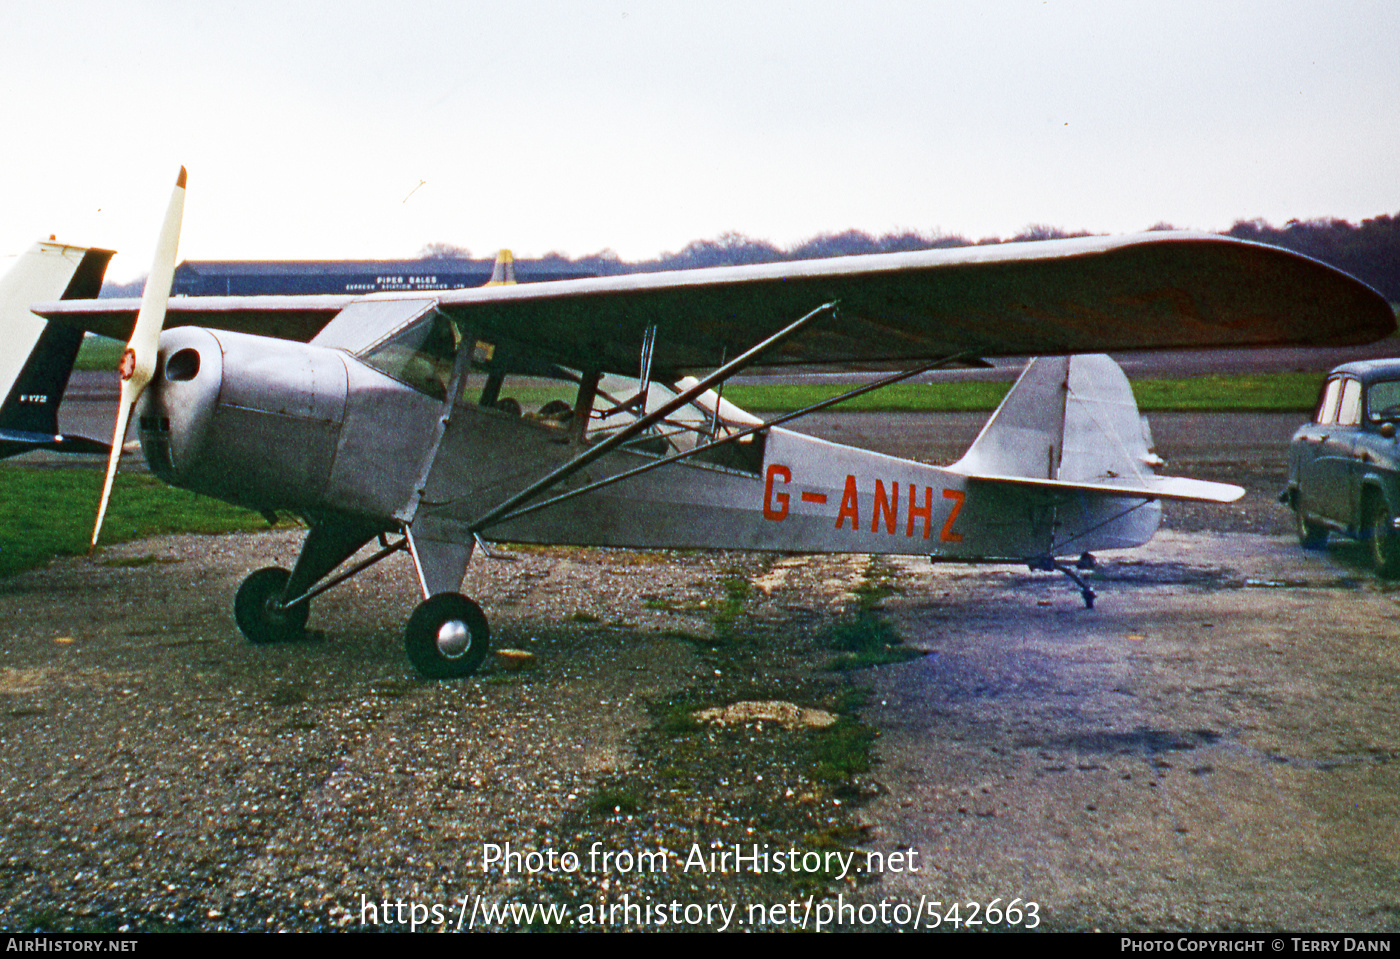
1311, 535
447, 637
1382, 538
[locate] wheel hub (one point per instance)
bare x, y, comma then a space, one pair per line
453, 639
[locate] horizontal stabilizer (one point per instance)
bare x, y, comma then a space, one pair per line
1155, 487
1071, 424
13, 442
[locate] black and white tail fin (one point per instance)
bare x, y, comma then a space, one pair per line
36, 357
1071, 423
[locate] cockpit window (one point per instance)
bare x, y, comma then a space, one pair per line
421, 355
1383, 401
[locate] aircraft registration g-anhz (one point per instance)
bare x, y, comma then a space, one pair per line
398, 416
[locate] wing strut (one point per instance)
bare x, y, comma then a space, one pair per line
648, 345
732, 437
611, 443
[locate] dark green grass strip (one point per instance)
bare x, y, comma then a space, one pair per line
1264, 392
49, 512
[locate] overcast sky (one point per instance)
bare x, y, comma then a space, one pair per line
356, 129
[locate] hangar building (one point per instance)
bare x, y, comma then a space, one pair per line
282, 277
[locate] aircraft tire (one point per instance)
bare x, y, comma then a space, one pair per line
447, 637
259, 623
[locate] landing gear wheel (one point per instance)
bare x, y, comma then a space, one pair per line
254, 612
1382, 539
1310, 534
447, 637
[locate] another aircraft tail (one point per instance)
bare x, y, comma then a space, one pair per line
38, 356
1071, 423
503, 272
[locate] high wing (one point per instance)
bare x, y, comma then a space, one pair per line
1149, 291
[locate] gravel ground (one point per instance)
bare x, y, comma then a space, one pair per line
160, 773
1211, 747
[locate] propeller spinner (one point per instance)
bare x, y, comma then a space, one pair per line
138, 363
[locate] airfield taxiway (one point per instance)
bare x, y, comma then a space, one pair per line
1214, 746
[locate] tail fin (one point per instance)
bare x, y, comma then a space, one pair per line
38, 356
1070, 422
503, 273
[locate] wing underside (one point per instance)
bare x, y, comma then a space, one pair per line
1153, 291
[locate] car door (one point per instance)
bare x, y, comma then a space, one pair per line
1307, 464
1335, 466
1374, 453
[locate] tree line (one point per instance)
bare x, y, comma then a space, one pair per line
1369, 251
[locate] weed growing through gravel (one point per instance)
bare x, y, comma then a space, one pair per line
609, 802
866, 638
699, 784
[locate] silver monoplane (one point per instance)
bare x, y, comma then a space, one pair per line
580, 411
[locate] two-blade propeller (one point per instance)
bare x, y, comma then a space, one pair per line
139, 361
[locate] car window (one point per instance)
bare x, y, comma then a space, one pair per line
1383, 401
1349, 410
1327, 404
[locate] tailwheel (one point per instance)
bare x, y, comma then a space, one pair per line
258, 614
447, 637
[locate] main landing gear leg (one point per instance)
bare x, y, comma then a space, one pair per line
447, 636
1048, 564
272, 604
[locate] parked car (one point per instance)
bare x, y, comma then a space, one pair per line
1344, 466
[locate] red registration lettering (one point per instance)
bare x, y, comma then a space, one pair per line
850, 505
947, 535
775, 471
887, 506
924, 512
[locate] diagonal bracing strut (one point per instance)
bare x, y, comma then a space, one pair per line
732, 437
611, 443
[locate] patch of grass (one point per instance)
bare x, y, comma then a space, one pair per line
50, 513
727, 612
868, 640
880, 582
1261, 392
611, 802
1256, 392
703, 642
737, 591
54, 920
99, 353
287, 696
843, 750
582, 617
675, 716
901, 397
866, 631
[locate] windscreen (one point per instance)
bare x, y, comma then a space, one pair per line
422, 355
